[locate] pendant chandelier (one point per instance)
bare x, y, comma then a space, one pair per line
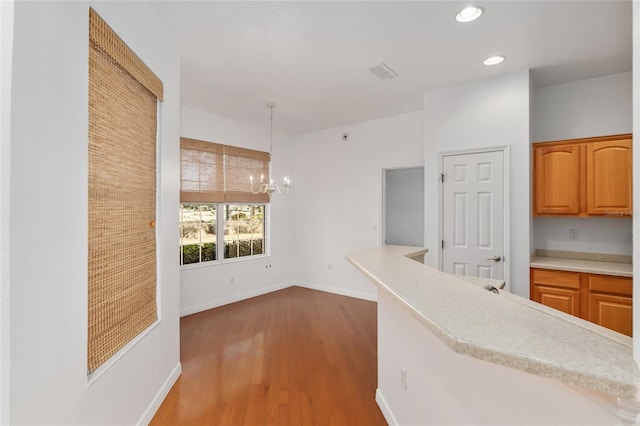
270, 187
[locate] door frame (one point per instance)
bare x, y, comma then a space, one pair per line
506, 158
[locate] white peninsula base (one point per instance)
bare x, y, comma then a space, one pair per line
452, 353
446, 388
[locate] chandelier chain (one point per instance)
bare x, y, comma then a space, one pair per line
269, 187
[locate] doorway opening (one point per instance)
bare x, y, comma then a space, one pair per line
403, 206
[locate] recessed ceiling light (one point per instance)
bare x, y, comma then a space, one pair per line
470, 13
493, 60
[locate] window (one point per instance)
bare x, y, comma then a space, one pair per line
197, 233
238, 228
220, 218
122, 111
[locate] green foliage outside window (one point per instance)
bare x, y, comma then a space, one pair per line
191, 253
243, 248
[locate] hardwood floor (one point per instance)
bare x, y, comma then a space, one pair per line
292, 357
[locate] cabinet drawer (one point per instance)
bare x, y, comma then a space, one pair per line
556, 278
609, 284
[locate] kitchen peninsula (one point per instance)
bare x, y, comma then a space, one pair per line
451, 352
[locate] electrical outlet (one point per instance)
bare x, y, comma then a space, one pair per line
574, 235
329, 267
231, 280
403, 378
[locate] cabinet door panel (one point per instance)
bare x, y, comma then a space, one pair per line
613, 312
609, 166
557, 179
562, 299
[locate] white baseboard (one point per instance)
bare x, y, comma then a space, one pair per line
386, 410
161, 395
232, 299
340, 291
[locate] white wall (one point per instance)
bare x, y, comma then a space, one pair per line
444, 387
6, 53
596, 234
48, 228
594, 107
338, 196
206, 286
486, 113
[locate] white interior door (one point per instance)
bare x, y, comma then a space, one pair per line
473, 214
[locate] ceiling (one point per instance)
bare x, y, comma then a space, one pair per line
312, 57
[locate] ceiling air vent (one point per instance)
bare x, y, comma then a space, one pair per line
383, 72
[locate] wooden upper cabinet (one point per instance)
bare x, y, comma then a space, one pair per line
557, 179
583, 177
609, 166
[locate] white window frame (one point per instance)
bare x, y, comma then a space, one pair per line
220, 225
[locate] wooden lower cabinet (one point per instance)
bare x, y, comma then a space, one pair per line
562, 299
613, 312
557, 289
602, 299
610, 302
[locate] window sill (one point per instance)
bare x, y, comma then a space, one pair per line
214, 263
98, 372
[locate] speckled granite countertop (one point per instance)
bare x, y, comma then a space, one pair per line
504, 329
580, 265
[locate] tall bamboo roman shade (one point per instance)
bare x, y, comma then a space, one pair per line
215, 173
123, 95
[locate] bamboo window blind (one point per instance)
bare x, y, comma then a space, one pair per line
216, 173
123, 96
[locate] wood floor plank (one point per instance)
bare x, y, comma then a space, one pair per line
291, 357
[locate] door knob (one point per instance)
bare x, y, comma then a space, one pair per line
495, 258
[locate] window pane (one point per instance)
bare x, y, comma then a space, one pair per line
189, 233
208, 231
244, 230
257, 230
197, 233
231, 230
